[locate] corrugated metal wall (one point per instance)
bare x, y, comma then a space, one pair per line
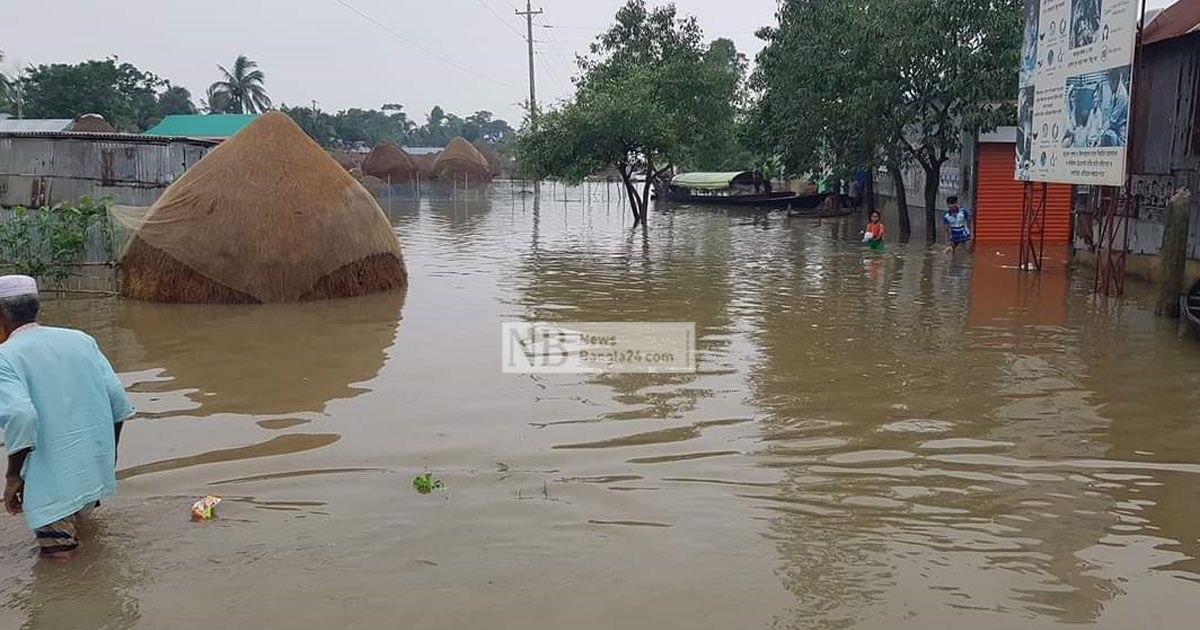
46, 169
1001, 200
37, 170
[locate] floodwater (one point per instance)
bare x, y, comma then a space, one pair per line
902, 439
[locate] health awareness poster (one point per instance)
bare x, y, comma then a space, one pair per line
1076, 84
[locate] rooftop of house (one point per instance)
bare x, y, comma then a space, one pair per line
201, 125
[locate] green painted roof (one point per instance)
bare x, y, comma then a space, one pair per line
705, 181
201, 125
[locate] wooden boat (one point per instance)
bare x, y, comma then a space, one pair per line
770, 200
734, 189
1189, 309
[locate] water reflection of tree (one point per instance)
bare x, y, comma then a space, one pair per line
675, 272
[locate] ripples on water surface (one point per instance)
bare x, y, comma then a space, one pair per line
872, 440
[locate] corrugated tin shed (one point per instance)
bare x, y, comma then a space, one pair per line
217, 126
1180, 18
45, 168
422, 150
35, 125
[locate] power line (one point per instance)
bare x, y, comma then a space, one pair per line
502, 20
550, 70
421, 48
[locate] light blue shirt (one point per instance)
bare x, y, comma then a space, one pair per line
60, 396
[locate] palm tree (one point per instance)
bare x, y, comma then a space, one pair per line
240, 91
215, 101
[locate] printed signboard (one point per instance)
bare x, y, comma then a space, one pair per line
1073, 105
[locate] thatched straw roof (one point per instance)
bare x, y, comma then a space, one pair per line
489, 153
374, 185
92, 123
389, 163
424, 164
459, 158
267, 216
345, 160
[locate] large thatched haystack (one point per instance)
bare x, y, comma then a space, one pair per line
389, 163
267, 216
424, 164
489, 153
459, 160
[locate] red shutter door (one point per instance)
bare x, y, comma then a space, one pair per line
998, 204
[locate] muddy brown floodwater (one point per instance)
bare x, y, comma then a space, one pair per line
901, 439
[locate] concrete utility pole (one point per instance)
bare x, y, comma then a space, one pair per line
528, 14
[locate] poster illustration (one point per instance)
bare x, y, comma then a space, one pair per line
1075, 87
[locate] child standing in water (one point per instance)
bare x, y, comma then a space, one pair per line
874, 230
957, 222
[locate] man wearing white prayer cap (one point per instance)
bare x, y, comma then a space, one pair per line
61, 411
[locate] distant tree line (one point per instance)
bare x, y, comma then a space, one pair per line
134, 100
390, 122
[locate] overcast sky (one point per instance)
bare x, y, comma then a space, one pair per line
464, 55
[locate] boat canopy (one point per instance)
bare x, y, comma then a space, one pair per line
711, 181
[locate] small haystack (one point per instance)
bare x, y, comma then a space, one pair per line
374, 185
345, 160
489, 153
424, 164
92, 123
267, 216
458, 161
389, 163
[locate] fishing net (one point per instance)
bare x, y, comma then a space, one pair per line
460, 159
389, 163
267, 216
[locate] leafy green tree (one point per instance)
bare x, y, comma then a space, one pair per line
240, 90
483, 125
849, 84
123, 94
648, 98
176, 100
317, 124
371, 126
957, 74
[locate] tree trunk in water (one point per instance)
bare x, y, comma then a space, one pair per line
1174, 252
646, 193
933, 177
631, 192
901, 201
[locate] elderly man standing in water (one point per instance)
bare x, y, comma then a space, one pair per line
61, 410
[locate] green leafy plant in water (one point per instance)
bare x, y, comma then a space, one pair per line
44, 242
426, 483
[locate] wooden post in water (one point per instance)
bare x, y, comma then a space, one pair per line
1174, 252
